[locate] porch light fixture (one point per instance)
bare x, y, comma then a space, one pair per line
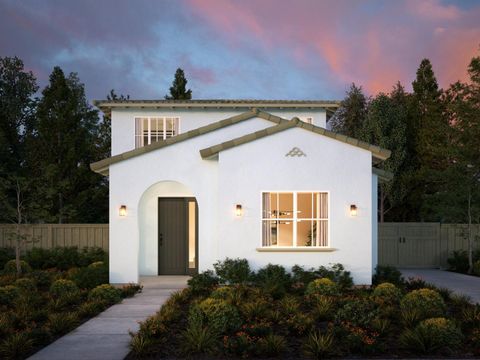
353, 210
123, 210
238, 210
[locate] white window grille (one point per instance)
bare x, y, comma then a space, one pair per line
152, 129
295, 219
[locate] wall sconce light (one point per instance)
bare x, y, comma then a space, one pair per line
238, 210
353, 210
123, 210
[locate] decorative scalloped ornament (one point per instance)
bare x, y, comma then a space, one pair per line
295, 152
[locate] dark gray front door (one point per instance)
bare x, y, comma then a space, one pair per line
172, 236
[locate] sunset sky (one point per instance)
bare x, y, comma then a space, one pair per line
265, 49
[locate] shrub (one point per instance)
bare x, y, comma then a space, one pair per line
387, 273
16, 346
90, 308
476, 268
90, 277
301, 277
62, 322
11, 267
131, 289
26, 284
6, 254
140, 344
274, 280
65, 301
255, 309
105, 292
223, 293
43, 279
458, 261
233, 271
64, 258
272, 345
323, 307
221, 316
336, 273
92, 255
63, 287
386, 293
8, 294
323, 286
198, 339
8, 279
318, 345
432, 335
358, 312
289, 305
426, 303
203, 283
97, 264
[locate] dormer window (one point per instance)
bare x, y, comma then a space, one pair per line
152, 129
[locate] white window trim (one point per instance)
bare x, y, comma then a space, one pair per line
164, 117
294, 241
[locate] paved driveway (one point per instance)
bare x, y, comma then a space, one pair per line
458, 283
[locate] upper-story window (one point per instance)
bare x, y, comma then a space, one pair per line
307, 119
151, 129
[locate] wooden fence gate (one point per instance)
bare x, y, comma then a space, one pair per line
423, 245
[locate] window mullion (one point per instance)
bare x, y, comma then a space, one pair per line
294, 195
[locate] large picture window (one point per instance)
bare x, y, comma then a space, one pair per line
295, 219
151, 129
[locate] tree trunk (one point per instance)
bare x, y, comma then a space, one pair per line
17, 232
470, 240
60, 208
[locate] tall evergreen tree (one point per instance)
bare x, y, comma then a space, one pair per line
17, 106
64, 147
432, 137
349, 119
385, 126
459, 200
178, 90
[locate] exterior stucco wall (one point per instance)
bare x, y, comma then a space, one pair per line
343, 170
133, 183
374, 222
123, 121
238, 177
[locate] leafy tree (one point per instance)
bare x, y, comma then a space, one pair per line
349, 119
385, 126
65, 144
459, 199
178, 90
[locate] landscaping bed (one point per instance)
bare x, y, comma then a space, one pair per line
235, 313
56, 291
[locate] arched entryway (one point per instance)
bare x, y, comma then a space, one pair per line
168, 230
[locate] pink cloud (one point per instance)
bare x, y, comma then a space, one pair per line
433, 9
346, 42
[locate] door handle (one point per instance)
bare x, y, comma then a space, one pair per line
161, 239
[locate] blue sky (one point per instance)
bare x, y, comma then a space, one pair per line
269, 49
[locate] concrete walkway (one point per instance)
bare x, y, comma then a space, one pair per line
459, 283
106, 336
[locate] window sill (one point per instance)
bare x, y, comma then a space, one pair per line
294, 249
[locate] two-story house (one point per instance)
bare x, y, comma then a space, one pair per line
193, 182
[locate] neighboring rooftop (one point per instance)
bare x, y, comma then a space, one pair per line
107, 105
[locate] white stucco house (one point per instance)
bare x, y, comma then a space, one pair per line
193, 182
